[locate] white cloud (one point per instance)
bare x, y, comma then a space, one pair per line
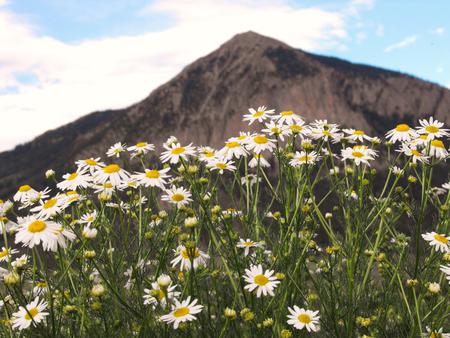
439, 69
75, 79
439, 31
379, 31
409, 40
360, 36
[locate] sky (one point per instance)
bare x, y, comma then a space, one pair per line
62, 59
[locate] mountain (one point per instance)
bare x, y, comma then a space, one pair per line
205, 102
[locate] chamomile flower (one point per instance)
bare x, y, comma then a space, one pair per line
258, 159
50, 207
112, 173
34, 231
91, 164
206, 153
233, 148
6, 224
440, 242
356, 135
437, 149
433, 128
302, 157
24, 192
5, 254
259, 143
412, 151
446, 270
40, 288
116, 150
189, 258
261, 114
20, 262
301, 318
297, 128
33, 313
275, 129
63, 235
89, 233
446, 186
35, 197
263, 282
221, 165
175, 152
141, 148
326, 133
75, 180
152, 178
359, 154
106, 188
88, 218
402, 132
157, 295
184, 311
247, 244
288, 117
178, 196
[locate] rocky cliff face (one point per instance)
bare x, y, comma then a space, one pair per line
205, 102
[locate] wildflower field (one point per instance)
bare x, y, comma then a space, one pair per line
291, 230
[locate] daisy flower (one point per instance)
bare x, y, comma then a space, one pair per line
326, 133
91, 164
438, 241
276, 129
5, 254
247, 244
359, 154
178, 196
356, 135
433, 128
62, 235
141, 148
50, 207
116, 150
446, 270
72, 196
89, 232
23, 193
263, 282
446, 186
40, 288
164, 295
297, 128
112, 173
32, 231
287, 116
184, 311
323, 124
189, 258
259, 143
175, 152
206, 153
32, 313
75, 180
402, 132
6, 224
437, 149
233, 148
301, 318
261, 114
412, 151
152, 178
221, 165
35, 197
258, 158
302, 157
20, 262
105, 188
88, 218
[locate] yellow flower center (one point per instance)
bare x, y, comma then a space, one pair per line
304, 318
42, 284
178, 151
437, 144
177, 197
181, 312
141, 145
358, 132
402, 128
4, 219
3, 253
221, 166
357, 154
423, 136
432, 129
111, 169
185, 253
248, 243
260, 139
72, 176
152, 174
209, 153
161, 295
416, 152
50, 203
90, 161
275, 130
108, 185
233, 144
242, 137
31, 313
37, 226
25, 188
287, 113
258, 114
326, 133
295, 128
261, 280
304, 158
90, 219
440, 238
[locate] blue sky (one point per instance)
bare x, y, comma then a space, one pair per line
60, 59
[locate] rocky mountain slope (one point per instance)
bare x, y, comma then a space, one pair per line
205, 102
